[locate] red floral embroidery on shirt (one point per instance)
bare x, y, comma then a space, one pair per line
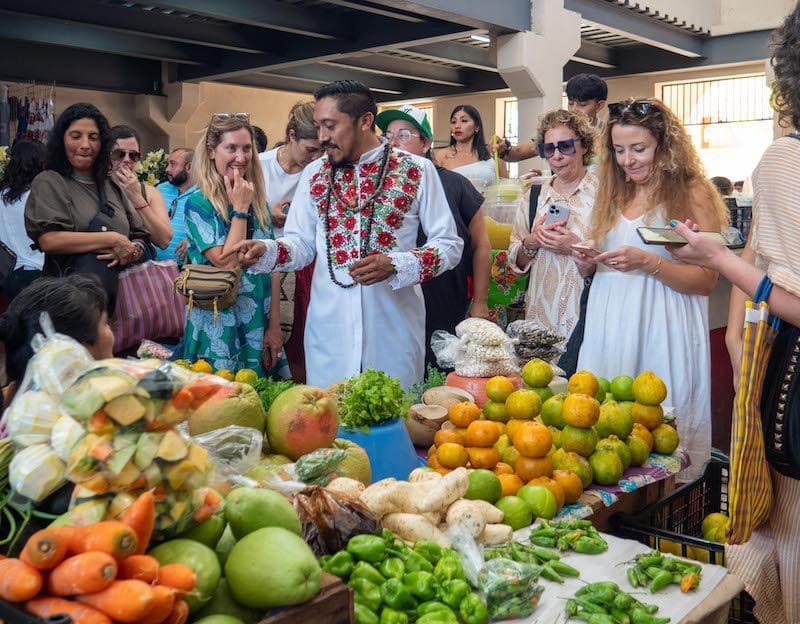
333, 223
317, 190
414, 174
367, 188
394, 220
350, 223
337, 240
385, 239
341, 256
284, 255
430, 260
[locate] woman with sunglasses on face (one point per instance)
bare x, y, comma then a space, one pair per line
80, 220
467, 153
230, 206
566, 139
146, 199
647, 311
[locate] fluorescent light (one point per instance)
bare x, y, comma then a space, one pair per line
481, 38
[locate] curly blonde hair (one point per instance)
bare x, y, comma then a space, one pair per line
678, 178
577, 122
210, 181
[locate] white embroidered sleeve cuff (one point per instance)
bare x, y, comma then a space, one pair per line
408, 269
267, 262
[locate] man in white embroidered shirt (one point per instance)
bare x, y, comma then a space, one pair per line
357, 210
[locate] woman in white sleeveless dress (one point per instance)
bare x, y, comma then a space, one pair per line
646, 310
467, 153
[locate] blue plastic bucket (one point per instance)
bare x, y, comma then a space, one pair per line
390, 451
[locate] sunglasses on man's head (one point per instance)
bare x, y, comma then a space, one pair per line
640, 108
119, 154
226, 116
566, 147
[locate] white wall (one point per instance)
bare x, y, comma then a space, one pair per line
725, 16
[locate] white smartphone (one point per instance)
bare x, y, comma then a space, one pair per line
556, 213
586, 249
664, 236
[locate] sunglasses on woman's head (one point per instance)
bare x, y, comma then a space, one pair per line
566, 147
640, 108
119, 154
226, 116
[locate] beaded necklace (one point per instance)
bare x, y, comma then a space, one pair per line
365, 240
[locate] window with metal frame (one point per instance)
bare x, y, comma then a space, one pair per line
722, 100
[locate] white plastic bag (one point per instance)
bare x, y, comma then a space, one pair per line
232, 449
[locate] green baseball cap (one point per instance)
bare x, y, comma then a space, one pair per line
408, 113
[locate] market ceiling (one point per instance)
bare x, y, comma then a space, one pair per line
402, 49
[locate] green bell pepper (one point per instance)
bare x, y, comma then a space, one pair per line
438, 617
432, 605
323, 560
365, 615
341, 565
453, 592
416, 562
397, 596
472, 610
366, 593
369, 548
448, 568
392, 567
366, 571
430, 550
589, 545
391, 616
422, 585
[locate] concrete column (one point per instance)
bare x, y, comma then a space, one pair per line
168, 116
532, 64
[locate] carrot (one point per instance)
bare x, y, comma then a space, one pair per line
47, 548
163, 603
124, 601
18, 580
46, 606
139, 567
178, 576
110, 536
141, 517
85, 573
179, 614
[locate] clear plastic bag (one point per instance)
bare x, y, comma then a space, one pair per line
447, 348
509, 588
232, 449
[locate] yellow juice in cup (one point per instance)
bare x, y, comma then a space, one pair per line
499, 233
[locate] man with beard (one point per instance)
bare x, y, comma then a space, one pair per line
358, 210
176, 191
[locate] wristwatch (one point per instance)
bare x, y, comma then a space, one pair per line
529, 252
240, 215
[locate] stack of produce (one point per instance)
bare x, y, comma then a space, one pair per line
423, 507
394, 583
552, 568
605, 603
480, 348
577, 535
655, 571
534, 341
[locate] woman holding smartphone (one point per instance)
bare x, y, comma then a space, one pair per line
646, 310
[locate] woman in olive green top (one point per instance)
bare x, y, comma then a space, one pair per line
64, 215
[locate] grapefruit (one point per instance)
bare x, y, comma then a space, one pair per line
483, 485
540, 499
202, 561
356, 465
516, 512
640, 431
230, 404
223, 604
301, 420
544, 393
248, 509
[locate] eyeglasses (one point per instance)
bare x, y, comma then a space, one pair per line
226, 116
566, 147
402, 135
119, 154
173, 207
640, 108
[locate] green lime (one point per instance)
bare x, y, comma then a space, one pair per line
483, 485
516, 512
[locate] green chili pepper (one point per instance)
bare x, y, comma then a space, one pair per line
589, 545
602, 596
644, 580
369, 548
391, 616
432, 605
416, 562
641, 616
653, 571
439, 617
620, 615
633, 579
472, 610
545, 542
589, 607
365, 615
593, 587
661, 581
544, 554
366, 593
650, 559
341, 565
392, 567
550, 574
366, 571
562, 568
447, 569
430, 550
600, 618
397, 596
453, 592
623, 601
422, 585
571, 608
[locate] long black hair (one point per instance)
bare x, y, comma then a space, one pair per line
479, 138
56, 154
27, 159
75, 304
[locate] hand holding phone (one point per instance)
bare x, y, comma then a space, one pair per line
585, 248
556, 213
665, 236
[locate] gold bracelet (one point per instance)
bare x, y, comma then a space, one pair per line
658, 266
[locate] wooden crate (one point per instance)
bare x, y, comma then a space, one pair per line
332, 605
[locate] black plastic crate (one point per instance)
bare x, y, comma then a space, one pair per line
673, 525
741, 216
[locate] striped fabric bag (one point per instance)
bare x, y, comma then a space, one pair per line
147, 305
750, 484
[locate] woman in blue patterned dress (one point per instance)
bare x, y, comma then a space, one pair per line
229, 207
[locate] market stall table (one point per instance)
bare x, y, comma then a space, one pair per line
708, 604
